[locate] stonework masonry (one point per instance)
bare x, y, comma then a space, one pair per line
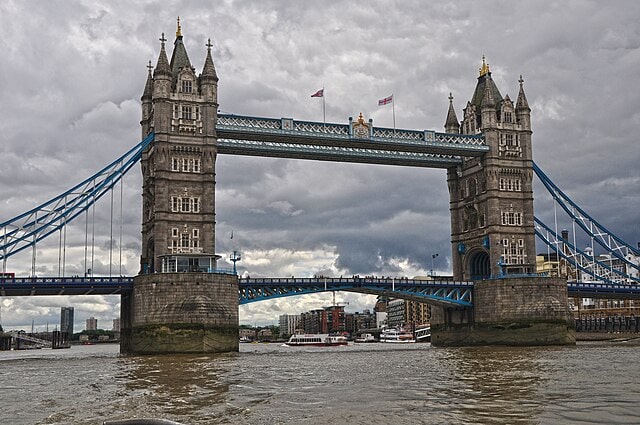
510, 311
181, 313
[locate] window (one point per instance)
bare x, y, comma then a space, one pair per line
511, 218
185, 240
196, 233
187, 113
176, 111
174, 232
508, 139
175, 204
187, 86
508, 118
185, 204
185, 165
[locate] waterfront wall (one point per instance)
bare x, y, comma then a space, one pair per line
509, 311
180, 313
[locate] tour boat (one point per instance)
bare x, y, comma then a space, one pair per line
316, 340
423, 334
396, 336
366, 338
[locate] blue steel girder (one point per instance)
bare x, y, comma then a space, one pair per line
603, 290
284, 137
38, 286
445, 293
25, 230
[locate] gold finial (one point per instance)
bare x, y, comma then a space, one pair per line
179, 30
485, 67
361, 118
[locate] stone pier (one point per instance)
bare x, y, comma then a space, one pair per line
510, 311
180, 313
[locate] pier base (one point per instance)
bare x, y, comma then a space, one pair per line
511, 311
180, 313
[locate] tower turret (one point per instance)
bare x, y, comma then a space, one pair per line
146, 99
523, 112
451, 125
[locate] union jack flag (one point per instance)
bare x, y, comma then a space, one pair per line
319, 93
385, 101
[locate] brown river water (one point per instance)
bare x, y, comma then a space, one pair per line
591, 383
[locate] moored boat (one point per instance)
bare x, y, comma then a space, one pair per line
396, 336
423, 334
316, 340
366, 338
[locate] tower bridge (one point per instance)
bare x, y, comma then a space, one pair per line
182, 302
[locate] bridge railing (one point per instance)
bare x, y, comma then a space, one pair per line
288, 126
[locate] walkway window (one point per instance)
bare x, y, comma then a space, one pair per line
187, 86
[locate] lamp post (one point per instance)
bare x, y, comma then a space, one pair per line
235, 257
433, 257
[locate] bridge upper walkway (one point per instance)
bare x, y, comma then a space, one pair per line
442, 292
288, 138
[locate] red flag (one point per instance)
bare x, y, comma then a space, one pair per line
385, 101
319, 93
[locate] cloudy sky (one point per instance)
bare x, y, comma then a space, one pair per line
72, 73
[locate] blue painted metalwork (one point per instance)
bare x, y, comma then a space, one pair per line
595, 230
285, 137
603, 290
557, 245
27, 229
29, 286
448, 293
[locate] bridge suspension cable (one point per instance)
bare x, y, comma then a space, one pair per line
581, 260
25, 230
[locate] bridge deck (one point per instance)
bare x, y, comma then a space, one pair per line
284, 137
257, 289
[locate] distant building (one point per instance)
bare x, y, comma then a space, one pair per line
66, 320
403, 312
288, 324
116, 325
92, 324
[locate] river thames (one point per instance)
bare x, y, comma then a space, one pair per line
591, 383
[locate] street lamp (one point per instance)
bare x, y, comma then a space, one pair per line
433, 257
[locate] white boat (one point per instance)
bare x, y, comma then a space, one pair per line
423, 334
366, 338
396, 336
316, 340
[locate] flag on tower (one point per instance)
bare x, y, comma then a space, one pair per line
319, 93
385, 101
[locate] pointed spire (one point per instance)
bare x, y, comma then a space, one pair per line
451, 125
179, 57
488, 101
148, 87
162, 67
522, 103
209, 70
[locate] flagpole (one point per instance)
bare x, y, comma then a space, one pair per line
393, 109
324, 113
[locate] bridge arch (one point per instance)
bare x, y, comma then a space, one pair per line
478, 265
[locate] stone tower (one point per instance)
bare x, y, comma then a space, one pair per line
180, 302
491, 198
180, 107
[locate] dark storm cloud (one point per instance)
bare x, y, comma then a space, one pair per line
72, 74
